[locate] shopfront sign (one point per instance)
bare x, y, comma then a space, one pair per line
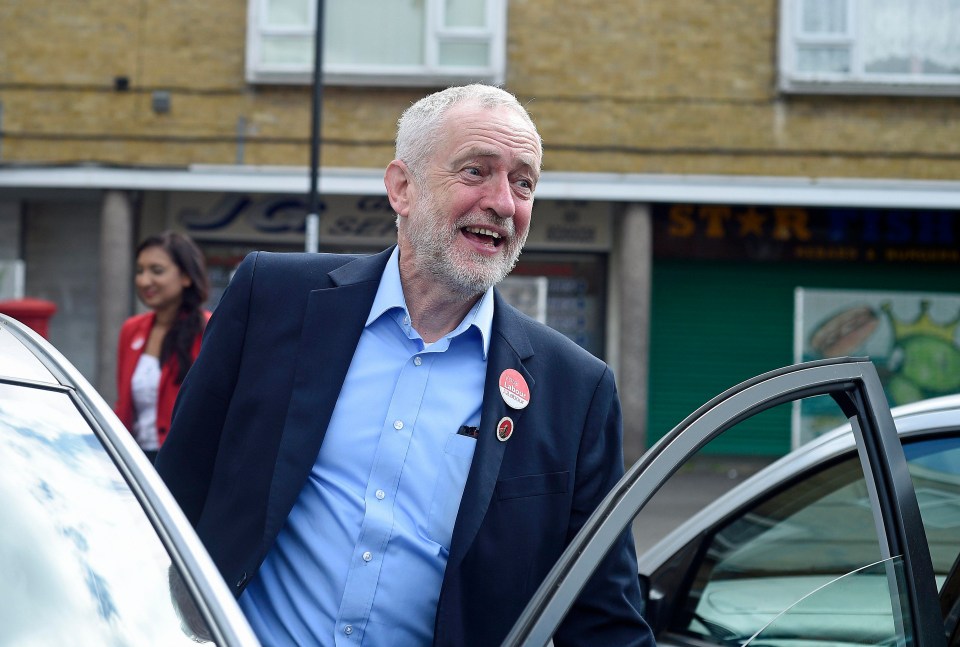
708, 231
364, 221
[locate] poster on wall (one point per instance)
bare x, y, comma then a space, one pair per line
913, 338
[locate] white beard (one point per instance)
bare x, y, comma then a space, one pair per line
465, 272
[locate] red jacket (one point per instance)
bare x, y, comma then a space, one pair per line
133, 339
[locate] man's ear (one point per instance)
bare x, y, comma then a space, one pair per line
401, 189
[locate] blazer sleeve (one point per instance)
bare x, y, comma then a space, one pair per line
607, 611
126, 361
187, 457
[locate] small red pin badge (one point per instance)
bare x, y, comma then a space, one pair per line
514, 389
504, 428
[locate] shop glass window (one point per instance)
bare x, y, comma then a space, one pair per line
870, 46
372, 42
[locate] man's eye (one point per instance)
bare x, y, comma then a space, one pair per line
472, 170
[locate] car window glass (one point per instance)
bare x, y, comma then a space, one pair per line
780, 551
862, 594
81, 563
935, 469
806, 537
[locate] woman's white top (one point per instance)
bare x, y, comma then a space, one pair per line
144, 386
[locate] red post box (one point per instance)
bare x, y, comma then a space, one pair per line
34, 313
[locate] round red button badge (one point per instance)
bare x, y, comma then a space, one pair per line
504, 428
514, 389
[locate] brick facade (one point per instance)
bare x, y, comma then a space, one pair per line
641, 86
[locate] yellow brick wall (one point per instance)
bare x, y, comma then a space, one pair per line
630, 86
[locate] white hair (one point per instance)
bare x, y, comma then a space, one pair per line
418, 125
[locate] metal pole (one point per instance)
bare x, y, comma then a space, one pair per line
313, 199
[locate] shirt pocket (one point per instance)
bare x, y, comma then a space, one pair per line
530, 485
448, 491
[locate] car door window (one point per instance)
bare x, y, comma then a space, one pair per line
808, 560
863, 593
778, 552
934, 465
81, 562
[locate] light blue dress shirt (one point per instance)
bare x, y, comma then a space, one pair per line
361, 557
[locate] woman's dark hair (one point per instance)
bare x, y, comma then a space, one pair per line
190, 321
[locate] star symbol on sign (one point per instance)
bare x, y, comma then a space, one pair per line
751, 222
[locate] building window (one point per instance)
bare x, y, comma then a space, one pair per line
870, 46
378, 42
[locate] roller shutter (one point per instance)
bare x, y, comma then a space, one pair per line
717, 323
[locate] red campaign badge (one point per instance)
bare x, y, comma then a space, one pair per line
514, 389
504, 429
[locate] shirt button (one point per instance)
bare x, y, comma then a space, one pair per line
417, 361
406, 321
367, 556
380, 494
348, 629
398, 424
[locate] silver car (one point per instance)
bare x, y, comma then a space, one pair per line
93, 549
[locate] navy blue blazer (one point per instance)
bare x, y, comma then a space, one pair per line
253, 410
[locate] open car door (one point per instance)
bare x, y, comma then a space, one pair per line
899, 583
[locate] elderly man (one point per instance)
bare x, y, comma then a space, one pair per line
379, 450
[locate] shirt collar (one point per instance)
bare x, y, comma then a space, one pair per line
390, 296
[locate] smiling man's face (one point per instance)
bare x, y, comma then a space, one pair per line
470, 212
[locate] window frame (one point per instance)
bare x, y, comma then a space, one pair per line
430, 74
855, 82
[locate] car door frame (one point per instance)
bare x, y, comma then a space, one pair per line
855, 386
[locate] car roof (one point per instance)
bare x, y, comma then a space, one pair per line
925, 415
19, 349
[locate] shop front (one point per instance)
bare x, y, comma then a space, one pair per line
728, 301
561, 278
684, 285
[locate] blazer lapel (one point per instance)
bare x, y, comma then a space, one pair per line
509, 348
333, 321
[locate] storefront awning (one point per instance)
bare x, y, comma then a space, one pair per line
720, 189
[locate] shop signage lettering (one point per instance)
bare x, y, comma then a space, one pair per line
572, 226
810, 234
364, 220
568, 234
283, 219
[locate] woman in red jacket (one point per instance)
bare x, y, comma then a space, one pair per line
157, 348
